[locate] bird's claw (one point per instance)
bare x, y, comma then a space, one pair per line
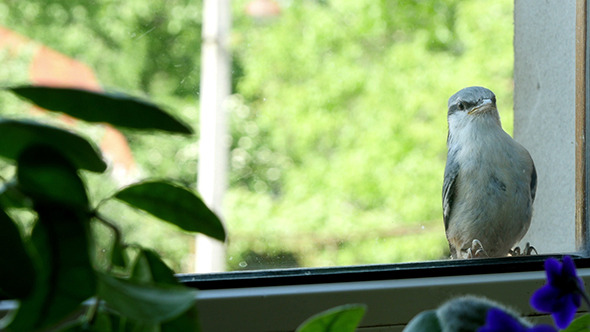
476, 250
527, 251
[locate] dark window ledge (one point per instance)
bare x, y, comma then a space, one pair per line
306, 276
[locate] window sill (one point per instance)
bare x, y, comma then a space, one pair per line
394, 294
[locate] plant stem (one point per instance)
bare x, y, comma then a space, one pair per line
91, 314
116, 232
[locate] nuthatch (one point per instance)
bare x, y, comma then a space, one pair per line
490, 180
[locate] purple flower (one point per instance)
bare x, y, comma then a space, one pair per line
499, 321
562, 294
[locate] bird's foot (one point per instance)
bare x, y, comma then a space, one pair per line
476, 250
527, 251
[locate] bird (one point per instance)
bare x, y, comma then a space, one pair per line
490, 180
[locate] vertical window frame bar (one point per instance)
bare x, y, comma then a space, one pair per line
582, 124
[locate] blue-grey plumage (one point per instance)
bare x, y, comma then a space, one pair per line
489, 181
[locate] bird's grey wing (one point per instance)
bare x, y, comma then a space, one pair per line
451, 172
533, 184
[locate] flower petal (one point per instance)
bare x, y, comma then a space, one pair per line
568, 268
499, 321
565, 315
552, 269
576, 299
546, 298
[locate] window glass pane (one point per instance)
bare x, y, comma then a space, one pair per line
337, 114
340, 112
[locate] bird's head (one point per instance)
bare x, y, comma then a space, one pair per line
471, 104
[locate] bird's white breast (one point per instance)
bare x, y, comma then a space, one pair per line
494, 205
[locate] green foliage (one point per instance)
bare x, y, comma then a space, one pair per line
124, 42
340, 124
59, 258
339, 319
580, 324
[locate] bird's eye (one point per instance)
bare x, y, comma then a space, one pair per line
461, 106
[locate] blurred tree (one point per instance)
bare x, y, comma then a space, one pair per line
342, 111
113, 37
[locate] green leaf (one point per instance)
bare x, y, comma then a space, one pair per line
116, 109
174, 204
21, 134
580, 324
45, 175
339, 319
118, 257
11, 196
426, 321
145, 303
188, 321
149, 268
17, 275
65, 277
105, 321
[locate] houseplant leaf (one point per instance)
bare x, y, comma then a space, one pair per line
188, 321
65, 277
339, 319
12, 197
116, 109
580, 324
43, 174
118, 257
145, 303
20, 134
175, 205
17, 275
150, 269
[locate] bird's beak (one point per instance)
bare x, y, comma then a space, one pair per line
482, 107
